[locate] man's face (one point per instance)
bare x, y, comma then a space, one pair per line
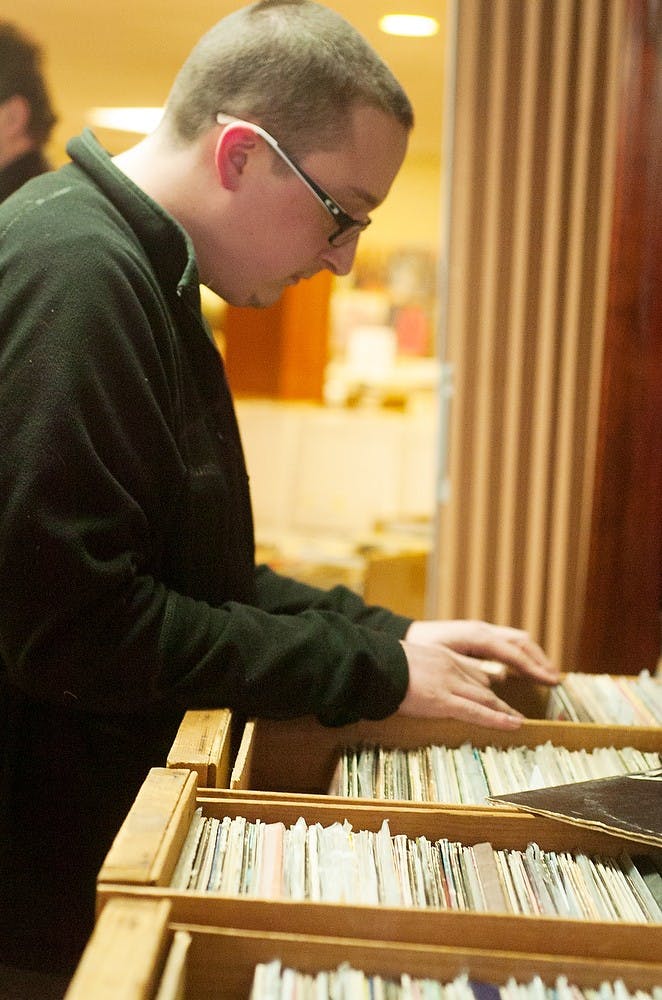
280, 230
15, 137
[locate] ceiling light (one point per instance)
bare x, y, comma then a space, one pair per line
142, 120
412, 25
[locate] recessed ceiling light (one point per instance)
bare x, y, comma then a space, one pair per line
412, 25
142, 120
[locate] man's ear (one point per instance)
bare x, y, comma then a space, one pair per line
233, 148
15, 116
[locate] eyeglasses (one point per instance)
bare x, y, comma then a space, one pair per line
348, 228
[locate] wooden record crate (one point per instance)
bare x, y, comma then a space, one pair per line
143, 856
299, 756
137, 952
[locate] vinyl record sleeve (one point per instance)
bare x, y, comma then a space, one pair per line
629, 805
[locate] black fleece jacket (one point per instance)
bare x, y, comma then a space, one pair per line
128, 588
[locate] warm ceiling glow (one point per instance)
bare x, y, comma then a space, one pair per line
142, 120
412, 25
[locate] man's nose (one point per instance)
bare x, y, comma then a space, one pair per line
339, 260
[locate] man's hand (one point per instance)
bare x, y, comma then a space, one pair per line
480, 641
445, 684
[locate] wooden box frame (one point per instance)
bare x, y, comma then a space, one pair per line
203, 744
299, 756
143, 857
125, 957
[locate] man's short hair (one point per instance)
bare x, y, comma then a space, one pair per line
294, 67
21, 74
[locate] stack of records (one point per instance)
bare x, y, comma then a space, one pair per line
273, 982
336, 864
468, 775
607, 699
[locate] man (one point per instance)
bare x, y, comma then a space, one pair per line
128, 590
26, 115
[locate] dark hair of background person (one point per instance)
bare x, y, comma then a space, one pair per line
21, 73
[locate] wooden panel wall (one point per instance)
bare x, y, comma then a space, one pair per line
621, 626
534, 136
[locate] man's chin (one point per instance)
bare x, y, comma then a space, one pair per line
265, 297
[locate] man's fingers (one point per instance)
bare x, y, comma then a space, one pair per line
491, 718
516, 648
484, 709
498, 644
525, 656
444, 683
486, 698
471, 667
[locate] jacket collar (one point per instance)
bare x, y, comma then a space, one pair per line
167, 244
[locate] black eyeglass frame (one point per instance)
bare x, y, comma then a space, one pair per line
349, 228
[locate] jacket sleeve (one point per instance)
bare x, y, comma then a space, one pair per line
284, 595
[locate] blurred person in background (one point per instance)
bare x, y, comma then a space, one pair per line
26, 113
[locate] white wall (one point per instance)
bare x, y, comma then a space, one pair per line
336, 471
